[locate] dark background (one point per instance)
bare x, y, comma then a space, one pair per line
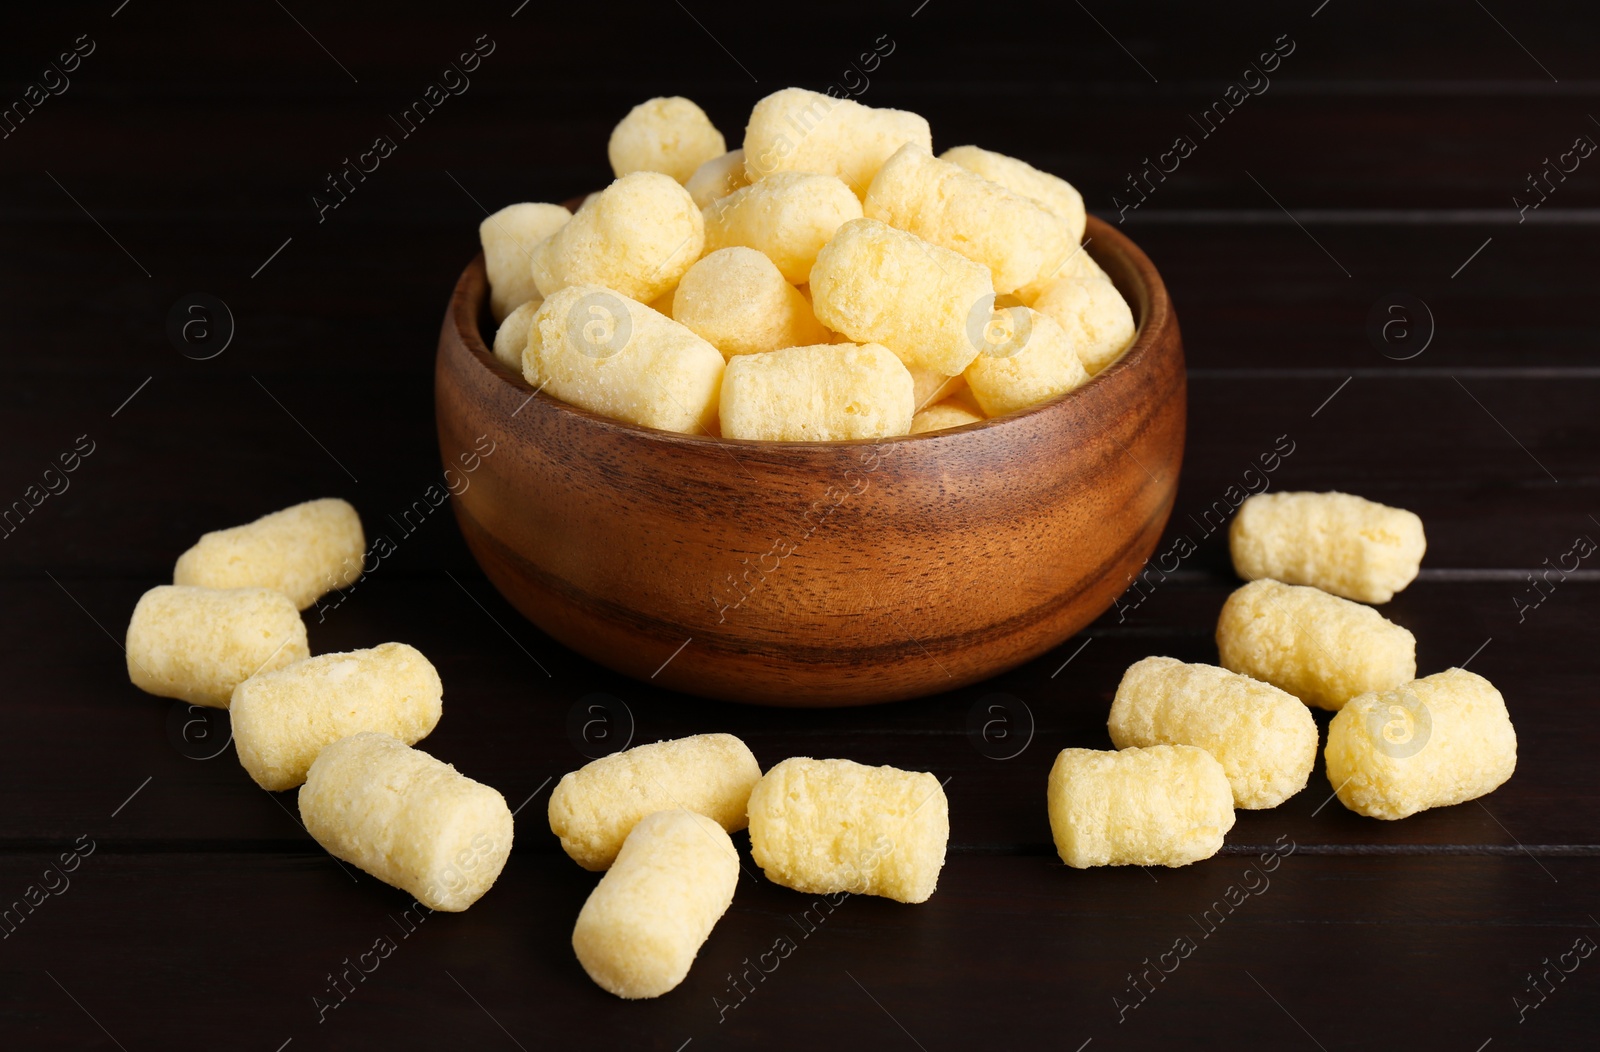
1381, 164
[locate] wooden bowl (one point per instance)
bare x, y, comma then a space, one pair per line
818, 574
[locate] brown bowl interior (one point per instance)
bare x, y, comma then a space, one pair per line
818, 574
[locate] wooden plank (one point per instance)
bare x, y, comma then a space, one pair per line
1149, 147
1256, 293
1112, 139
1468, 454
1179, 47
73, 710
233, 949
1249, 295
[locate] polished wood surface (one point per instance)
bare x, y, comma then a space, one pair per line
1394, 138
817, 574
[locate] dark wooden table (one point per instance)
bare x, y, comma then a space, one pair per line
1385, 165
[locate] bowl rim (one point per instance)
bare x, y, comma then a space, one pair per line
472, 288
